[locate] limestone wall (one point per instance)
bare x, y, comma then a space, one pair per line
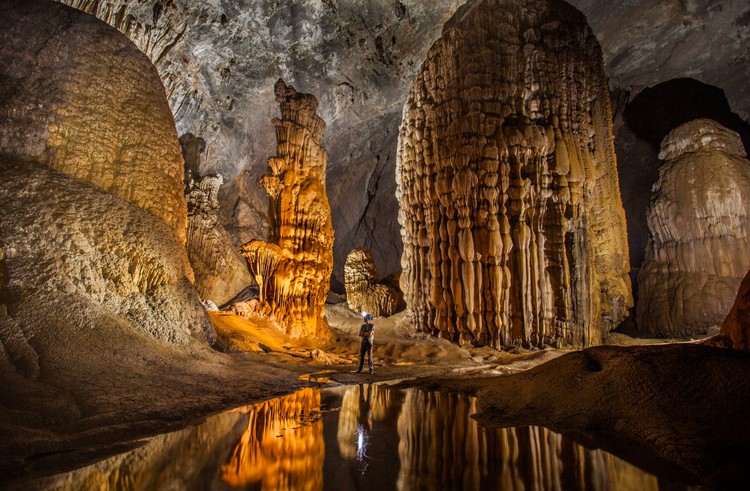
510, 209
92, 206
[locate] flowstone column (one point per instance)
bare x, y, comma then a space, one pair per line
511, 217
699, 232
293, 269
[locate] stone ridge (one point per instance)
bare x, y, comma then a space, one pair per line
80, 98
511, 217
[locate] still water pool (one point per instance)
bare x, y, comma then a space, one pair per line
364, 437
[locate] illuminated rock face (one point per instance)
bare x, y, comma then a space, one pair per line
93, 214
293, 269
510, 209
117, 133
699, 232
220, 272
363, 293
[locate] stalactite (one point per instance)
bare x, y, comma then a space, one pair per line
299, 252
363, 292
511, 217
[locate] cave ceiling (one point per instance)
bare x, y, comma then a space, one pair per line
219, 60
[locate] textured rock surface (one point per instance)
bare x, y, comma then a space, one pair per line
699, 246
293, 269
120, 248
117, 133
220, 272
219, 59
736, 326
363, 293
511, 217
123, 270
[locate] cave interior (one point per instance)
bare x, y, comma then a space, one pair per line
541, 202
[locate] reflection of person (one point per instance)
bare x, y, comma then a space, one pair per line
367, 333
364, 426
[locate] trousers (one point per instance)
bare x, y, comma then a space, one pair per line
365, 349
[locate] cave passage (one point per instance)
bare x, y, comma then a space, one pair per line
362, 437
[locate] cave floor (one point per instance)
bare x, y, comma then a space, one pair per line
686, 402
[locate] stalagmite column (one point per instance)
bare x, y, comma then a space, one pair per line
699, 232
510, 209
363, 292
294, 268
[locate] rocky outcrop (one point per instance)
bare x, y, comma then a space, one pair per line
293, 269
118, 133
92, 231
363, 293
699, 223
511, 217
220, 272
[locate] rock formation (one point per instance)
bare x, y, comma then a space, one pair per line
370, 58
511, 217
363, 293
735, 330
293, 269
93, 202
699, 224
220, 272
118, 134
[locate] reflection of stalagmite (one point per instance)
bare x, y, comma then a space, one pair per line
363, 292
510, 209
440, 443
280, 449
295, 266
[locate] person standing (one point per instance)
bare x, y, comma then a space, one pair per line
367, 333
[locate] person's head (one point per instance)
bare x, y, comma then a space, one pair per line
367, 317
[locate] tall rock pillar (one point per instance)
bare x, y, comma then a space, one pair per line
293, 269
510, 209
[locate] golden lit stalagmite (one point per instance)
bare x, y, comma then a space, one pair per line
293, 268
510, 209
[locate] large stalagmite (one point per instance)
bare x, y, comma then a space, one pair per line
510, 209
363, 292
293, 269
699, 224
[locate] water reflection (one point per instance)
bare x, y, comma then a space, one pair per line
359, 437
